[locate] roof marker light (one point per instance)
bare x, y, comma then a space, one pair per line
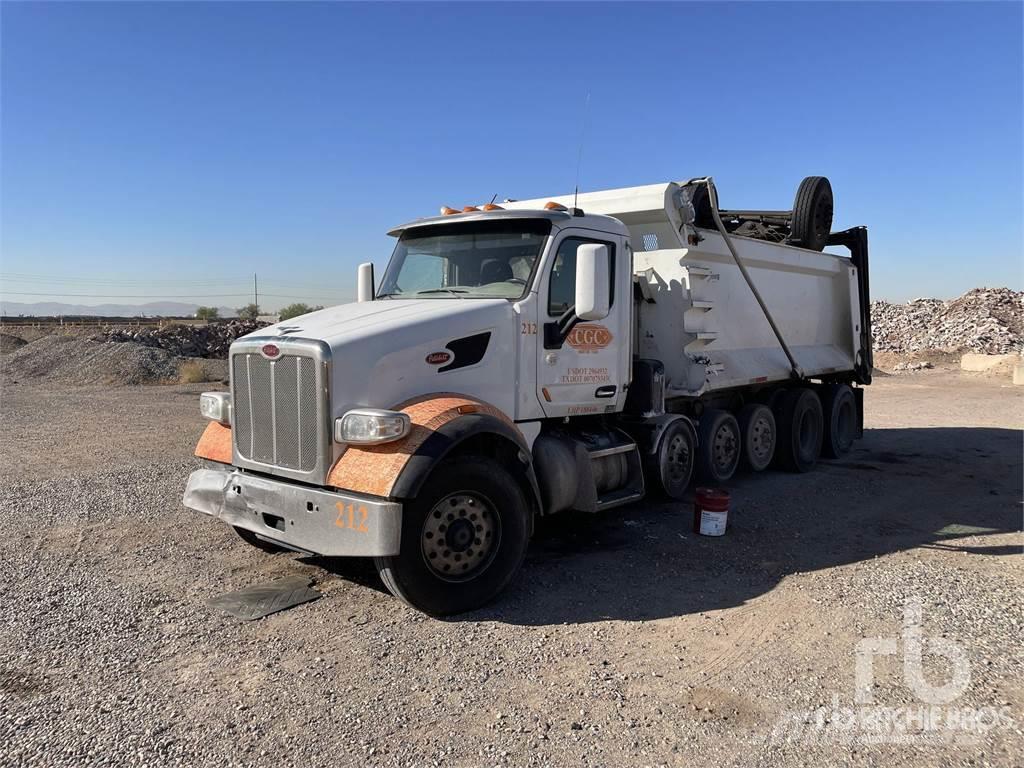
553, 206
470, 209
492, 207
446, 211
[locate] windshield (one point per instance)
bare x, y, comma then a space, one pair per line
471, 260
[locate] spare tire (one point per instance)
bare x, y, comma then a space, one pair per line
812, 214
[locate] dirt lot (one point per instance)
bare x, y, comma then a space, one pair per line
627, 640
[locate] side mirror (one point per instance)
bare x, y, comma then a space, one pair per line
364, 282
592, 277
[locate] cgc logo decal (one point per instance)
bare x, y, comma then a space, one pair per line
438, 358
588, 337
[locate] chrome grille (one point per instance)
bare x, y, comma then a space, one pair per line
278, 419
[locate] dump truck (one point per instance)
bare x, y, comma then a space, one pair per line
577, 352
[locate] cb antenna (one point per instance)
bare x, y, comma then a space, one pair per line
579, 154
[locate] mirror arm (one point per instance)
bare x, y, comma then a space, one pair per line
557, 332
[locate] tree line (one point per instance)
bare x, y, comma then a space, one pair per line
253, 311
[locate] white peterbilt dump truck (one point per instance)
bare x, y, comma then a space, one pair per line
523, 359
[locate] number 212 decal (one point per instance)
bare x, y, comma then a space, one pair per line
351, 517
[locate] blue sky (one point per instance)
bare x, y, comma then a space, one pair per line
174, 149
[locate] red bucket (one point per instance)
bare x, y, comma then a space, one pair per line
710, 511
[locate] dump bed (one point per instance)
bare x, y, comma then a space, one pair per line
699, 316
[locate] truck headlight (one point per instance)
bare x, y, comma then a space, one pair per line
368, 425
216, 406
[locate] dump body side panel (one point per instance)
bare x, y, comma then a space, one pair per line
705, 325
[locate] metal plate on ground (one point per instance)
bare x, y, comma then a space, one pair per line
261, 600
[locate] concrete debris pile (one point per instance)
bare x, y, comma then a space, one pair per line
921, 365
985, 320
211, 341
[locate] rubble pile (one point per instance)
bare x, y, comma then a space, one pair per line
985, 320
210, 341
920, 365
71, 360
9, 343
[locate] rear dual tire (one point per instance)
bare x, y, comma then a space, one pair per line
757, 425
719, 446
800, 427
840, 420
725, 440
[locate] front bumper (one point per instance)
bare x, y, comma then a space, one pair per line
297, 516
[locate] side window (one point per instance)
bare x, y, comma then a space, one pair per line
562, 286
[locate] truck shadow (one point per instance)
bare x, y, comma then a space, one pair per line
899, 489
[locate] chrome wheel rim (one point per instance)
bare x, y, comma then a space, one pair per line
762, 439
677, 457
724, 447
460, 536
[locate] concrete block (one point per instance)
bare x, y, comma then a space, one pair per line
978, 362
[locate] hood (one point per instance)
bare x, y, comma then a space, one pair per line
347, 323
388, 351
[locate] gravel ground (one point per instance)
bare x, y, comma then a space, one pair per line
627, 640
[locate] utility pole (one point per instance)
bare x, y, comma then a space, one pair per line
255, 291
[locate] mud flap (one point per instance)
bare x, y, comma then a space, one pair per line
261, 600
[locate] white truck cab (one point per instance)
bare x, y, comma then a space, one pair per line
533, 357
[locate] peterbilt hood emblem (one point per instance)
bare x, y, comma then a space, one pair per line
270, 351
438, 358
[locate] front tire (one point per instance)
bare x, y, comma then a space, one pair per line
464, 538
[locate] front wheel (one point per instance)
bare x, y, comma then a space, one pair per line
464, 538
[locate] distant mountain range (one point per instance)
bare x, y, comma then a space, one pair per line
153, 309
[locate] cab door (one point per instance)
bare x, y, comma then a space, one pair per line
589, 371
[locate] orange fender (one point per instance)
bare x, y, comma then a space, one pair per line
215, 444
373, 469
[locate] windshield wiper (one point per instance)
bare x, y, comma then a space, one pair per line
456, 291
